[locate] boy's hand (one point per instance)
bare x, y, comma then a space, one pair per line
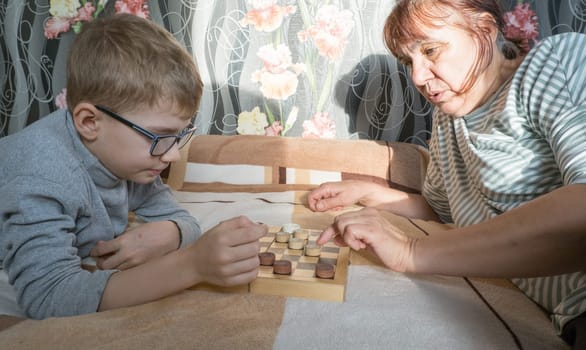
136, 245
227, 254
368, 229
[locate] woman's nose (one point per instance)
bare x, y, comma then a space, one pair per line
421, 72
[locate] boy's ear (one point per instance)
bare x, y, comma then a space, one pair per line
87, 120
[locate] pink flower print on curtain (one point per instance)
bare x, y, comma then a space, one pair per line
278, 76
327, 34
134, 7
319, 126
85, 13
71, 14
266, 15
55, 26
324, 35
274, 129
61, 99
521, 26
330, 31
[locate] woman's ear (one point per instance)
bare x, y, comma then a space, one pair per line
87, 121
487, 25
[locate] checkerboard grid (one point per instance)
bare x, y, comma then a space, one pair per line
301, 266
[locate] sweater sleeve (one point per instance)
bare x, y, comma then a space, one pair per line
155, 202
37, 247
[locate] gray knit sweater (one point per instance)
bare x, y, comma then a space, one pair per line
56, 201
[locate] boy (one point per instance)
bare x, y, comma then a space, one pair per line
68, 181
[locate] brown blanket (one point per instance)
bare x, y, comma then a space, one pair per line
189, 320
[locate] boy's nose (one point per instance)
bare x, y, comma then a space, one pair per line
172, 155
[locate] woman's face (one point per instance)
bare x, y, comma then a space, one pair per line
439, 66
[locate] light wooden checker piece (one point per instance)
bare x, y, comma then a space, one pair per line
302, 282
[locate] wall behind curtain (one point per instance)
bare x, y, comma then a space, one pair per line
358, 91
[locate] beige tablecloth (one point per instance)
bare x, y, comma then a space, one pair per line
382, 309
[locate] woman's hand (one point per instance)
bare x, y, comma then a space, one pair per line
136, 245
336, 195
368, 229
227, 254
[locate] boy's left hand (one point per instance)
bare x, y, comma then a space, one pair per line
136, 245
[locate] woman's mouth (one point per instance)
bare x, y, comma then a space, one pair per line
435, 97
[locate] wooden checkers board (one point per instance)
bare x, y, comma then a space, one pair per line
302, 282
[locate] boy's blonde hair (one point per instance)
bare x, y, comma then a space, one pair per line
125, 62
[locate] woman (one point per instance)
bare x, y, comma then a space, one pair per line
507, 159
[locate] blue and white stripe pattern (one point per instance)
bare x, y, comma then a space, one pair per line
528, 140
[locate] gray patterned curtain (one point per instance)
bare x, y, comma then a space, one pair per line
310, 68
32, 67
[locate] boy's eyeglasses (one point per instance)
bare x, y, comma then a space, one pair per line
161, 143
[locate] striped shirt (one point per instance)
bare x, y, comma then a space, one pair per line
528, 140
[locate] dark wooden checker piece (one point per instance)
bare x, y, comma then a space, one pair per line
267, 258
282, 267
324, 270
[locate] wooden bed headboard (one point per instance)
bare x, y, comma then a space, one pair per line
252, 163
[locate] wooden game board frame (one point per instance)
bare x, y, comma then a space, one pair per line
288, 286
311, 288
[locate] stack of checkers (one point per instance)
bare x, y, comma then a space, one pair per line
294, 251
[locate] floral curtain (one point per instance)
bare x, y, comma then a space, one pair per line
305, 68
302, 68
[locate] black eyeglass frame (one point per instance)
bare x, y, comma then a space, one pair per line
181, 139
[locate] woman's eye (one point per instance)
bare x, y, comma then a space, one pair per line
430, 51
